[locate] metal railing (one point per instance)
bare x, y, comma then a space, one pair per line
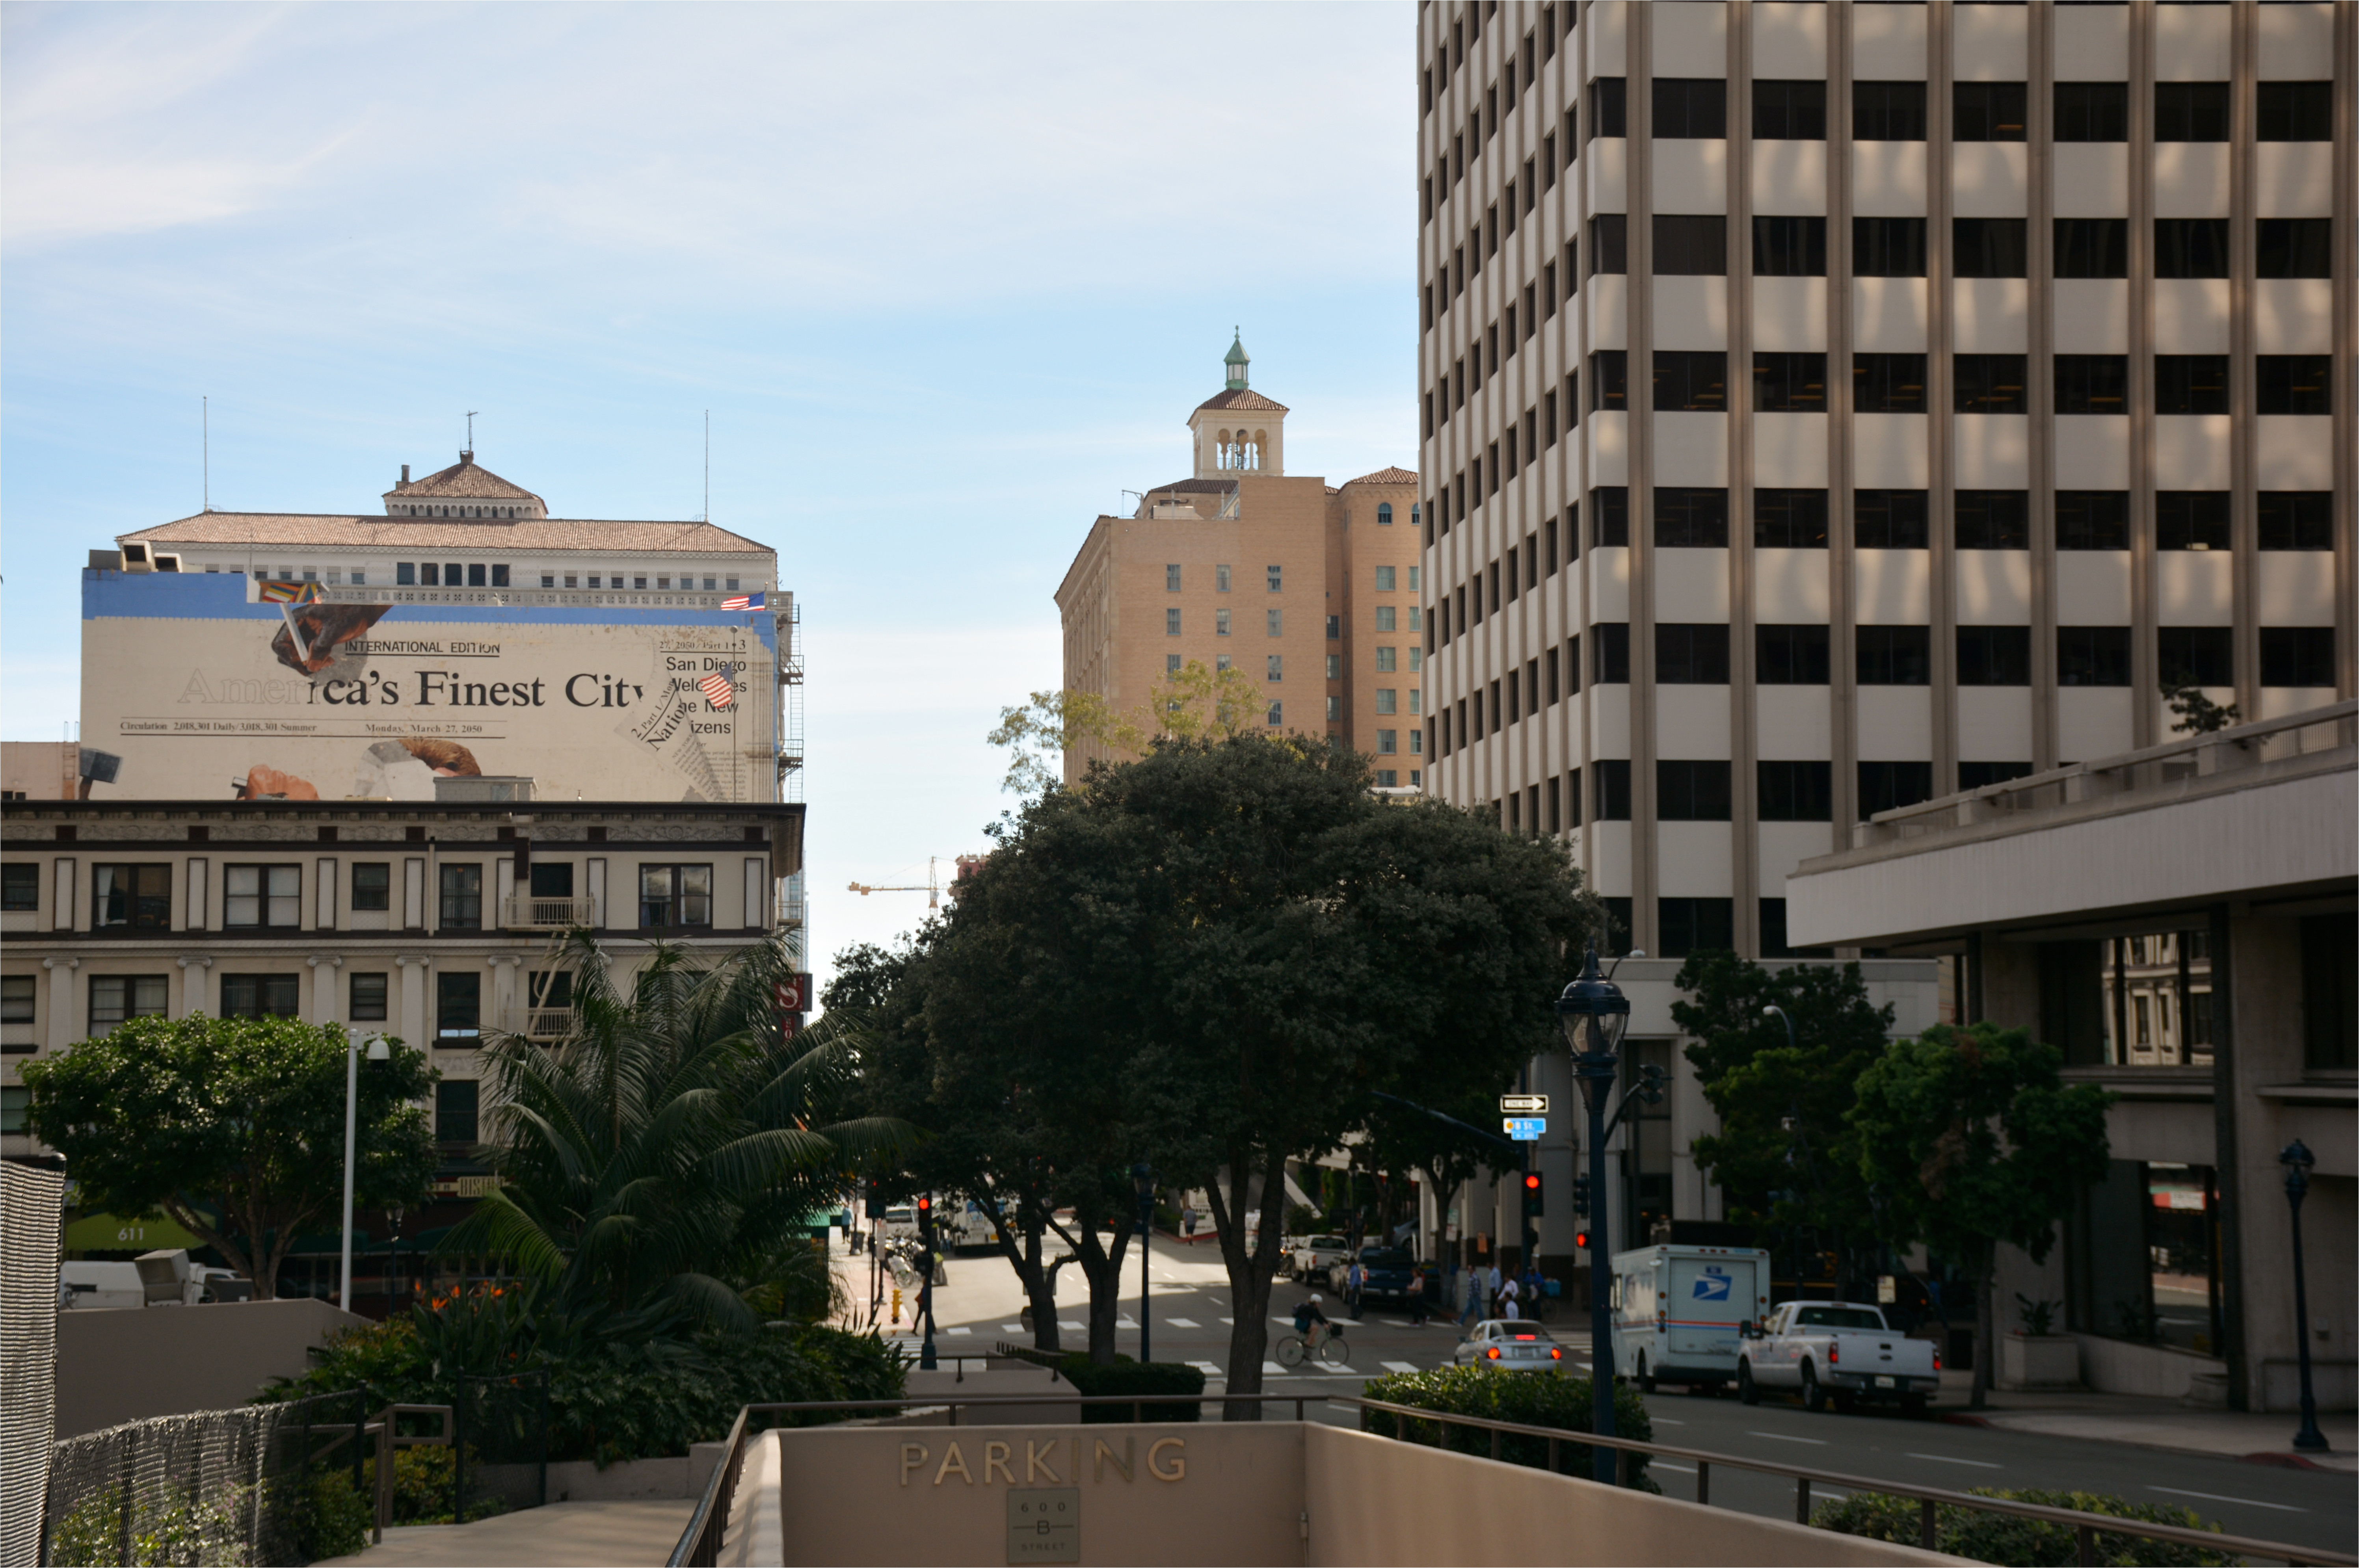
523, 911
547, 1023
699, 1543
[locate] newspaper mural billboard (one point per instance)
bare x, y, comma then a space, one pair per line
211, 685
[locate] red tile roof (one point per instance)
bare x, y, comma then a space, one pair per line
1385, 476
1243, 398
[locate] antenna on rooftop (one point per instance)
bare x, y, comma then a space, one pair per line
205, 412
708, 465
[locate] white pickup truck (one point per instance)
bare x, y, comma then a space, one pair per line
1838, 1351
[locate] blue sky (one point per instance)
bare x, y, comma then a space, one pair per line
948, 280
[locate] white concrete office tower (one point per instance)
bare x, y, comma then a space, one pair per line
1830, 406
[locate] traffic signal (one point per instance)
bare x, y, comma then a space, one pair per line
1581, 1239
926, 1214
1581, 1197
1532, 1197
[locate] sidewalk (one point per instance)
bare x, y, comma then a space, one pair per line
636, 1534
2162, 1423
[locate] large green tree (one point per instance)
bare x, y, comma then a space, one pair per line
1785, 1154
234, 1128
1971, 1138
1274, 943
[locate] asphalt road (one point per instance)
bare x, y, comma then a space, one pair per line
1193, 1322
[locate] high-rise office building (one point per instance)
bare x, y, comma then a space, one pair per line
1309, 588
1826, 407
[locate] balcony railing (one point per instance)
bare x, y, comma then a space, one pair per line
524, 913
547, 1023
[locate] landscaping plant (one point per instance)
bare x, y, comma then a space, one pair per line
2022, 1543
1528, 1398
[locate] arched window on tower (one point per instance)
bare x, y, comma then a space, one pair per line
1384, 514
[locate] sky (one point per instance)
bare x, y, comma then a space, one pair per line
948, 279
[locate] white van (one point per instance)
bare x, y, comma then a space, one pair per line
1677, 1310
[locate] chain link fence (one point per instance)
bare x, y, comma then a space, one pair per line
265, 1485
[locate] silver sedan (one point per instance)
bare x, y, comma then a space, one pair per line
1511, 1346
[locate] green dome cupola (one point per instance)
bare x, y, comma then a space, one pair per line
1238, 361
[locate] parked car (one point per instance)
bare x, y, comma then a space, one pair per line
1678, 1310
1511, 1345
1838, 1352
1385, 1272
1314, 1253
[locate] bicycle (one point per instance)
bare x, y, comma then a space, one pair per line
1330, 1348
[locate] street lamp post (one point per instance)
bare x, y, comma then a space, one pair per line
1144, 1178
1596, 1003
2297, 1160
377, 1051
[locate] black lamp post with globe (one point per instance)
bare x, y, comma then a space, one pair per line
2297, 1160
1595, 1013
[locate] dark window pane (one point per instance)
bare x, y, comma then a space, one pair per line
1989, 111
1895, 656
1790, 111
1887, 384
1691, 107
1691, 653
2292, 520
1887, 111
1611, 640
2295, 247
2190, 111
2190, 248
2196, 655
2092, 111
1693, 381
1978, 775
455, 1111
1789, 382
1789, 655
2297, 656
1691, 792
1887, 787
1795, 792
1609, 510
2092, 383
259, 996
552, 878
1609, 242
2093, 519
1685, 926
2190, 383
2294, 384
1887, 247
1790, 247
371, 885
1994, 656
458, 1008
1890, 519
2092, 655
1790, 519
1689, 517
463, 898
1608, 102
1691, 245
20, 886
1994, 520
1774, 944
1612, 789
1990, 384
1609, 380
1990, 247
369, 999
2195, 519
2330, 993
2296, 111
2093, 247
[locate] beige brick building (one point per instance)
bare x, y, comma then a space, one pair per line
1309, 588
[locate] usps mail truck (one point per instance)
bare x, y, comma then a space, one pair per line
1677, 1310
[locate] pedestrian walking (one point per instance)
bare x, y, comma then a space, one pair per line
1491, 1287
1188, 1221
1416, 1296
1510, 1306
1354, 1278
1472, 1312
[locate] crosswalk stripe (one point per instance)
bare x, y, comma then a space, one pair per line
1271, 1370
1011, 1328
1182, 1322
1399, 1365
1210, 1368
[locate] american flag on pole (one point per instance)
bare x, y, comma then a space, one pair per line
743, 601
716, 688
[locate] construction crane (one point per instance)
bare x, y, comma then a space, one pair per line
932, 887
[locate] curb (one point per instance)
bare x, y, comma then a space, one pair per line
2283, 1461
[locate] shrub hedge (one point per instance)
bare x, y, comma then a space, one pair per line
2021, 1543
1528, 1398
1128, 1377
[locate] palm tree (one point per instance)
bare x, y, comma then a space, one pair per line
660, 1162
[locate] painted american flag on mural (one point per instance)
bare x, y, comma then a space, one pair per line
716, 688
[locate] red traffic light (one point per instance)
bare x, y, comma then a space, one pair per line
1531, 1181
1581, 1239
925, 1205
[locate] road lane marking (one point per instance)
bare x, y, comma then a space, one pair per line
1788, 1437
1399, 1366
1011, 1328
1272, 1370
1339, 1371
1945, 1459
1230, 1321
1068, 1323
1210, 1368
1665, 1421
961, 1328
2216, 1498
1182, 1322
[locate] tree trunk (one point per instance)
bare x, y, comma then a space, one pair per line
1984, 1348
1101, 1265
1032, 1274
1252, 1263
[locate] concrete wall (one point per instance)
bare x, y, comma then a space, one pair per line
2123, 1367
1259, 1492
116, 1367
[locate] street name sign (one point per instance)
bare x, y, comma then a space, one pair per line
1524, 1128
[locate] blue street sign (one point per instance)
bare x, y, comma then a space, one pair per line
1524, 1128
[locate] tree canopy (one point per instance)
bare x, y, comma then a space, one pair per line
234, 1128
